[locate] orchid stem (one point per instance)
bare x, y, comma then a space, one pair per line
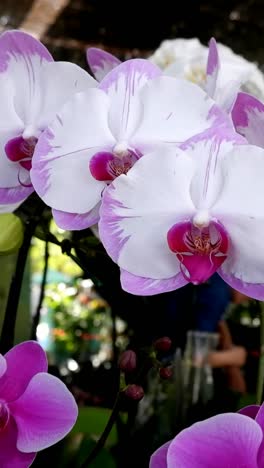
8, 329
101, 442
260, 383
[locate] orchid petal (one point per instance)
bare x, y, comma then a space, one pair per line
11, 190
251, 411
23, 362
122, 86
248, 118
225, 440
241, 213
260, 416
44, 414
147, 286
10, 456
21, 59
159, 458
3, 365
207, 151
12, 195
174, 111
15, 185
212, 68
76, 222
260, 420
9, 208
101, 62
226, 96
139, 208
59, 82
60, 166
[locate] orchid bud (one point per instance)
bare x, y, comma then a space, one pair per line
135, 392
165, 373
128, 361
11, 233
163, 344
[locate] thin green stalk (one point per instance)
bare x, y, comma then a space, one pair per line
101, 442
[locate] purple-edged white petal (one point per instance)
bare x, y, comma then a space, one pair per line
12, 195
11, 190
9, 208
226, 96
76, 222
139, 208
21, 60
101, 62
159, 458
59, 82
240, 210
255, 290
44, 414
147, 286
23, 362
208, 151
225, 440
212, 68
122, 86
60, 166
248, 118
174, 111
10, 456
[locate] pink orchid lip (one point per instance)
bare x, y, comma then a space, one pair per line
201, 251
106, 166
21, 150
4, 416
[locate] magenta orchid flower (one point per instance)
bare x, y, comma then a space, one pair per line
223, 86
170, 223
36, 409
248, 118
226, 440
32, 89
101, 62
102, 133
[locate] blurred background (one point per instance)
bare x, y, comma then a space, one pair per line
81, 316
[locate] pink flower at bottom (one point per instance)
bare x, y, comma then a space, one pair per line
36, 409
230, 440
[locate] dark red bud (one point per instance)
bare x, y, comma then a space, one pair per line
166, 372
135, 392
128, 361
163, 344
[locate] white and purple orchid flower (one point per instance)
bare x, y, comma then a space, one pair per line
32, 88
248, 118
220, 85
225, 440
101, 133
180, 216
